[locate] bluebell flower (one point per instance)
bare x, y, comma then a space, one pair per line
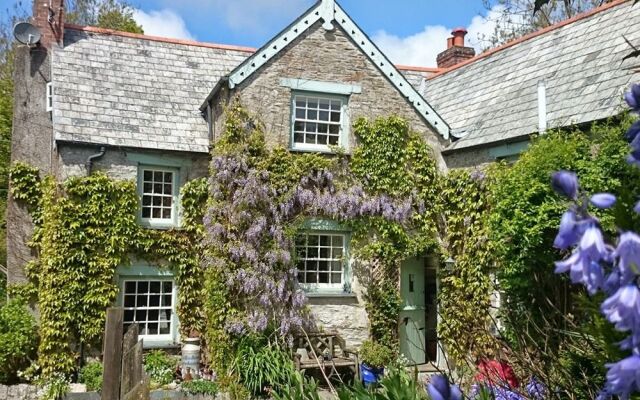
623, 308
628, 254
592, 243
440, 389
603, 200
568, 233
623, 377
633, 97
582, 269
565, 183
632, 133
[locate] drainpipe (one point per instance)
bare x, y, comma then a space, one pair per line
91, 158
542, 107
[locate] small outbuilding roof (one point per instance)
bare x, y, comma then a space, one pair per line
494, 96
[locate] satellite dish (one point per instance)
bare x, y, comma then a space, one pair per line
26, 33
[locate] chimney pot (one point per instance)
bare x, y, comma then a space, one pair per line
458, 36
48, 16
449, 42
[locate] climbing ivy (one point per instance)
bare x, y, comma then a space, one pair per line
85, 228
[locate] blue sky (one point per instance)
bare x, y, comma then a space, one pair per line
409, 31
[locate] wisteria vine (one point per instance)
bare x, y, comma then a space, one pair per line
600, 266
251, 225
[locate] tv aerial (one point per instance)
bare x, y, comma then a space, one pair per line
26, 33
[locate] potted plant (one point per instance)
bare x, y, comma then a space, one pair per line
374, 357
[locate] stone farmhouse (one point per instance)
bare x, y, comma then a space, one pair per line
149, 109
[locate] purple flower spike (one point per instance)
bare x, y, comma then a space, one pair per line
582, 270
568, 234
632, 97
623, 308
623, 377
637, 207
603, 200
565, 183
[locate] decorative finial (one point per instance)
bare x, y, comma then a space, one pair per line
328, 12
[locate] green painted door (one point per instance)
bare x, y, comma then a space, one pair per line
412, 316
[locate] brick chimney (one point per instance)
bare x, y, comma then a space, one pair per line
48, 16
456, 51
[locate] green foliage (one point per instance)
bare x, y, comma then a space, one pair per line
395, 385
526, 212
56, 387
109, 14
376, 355
465, 292
300, 388
18, 340
260, 364
91, 375
383, 305
85, 229
200, 386
160, 367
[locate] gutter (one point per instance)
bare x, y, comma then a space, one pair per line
214, 91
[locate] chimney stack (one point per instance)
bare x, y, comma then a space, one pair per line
456, 51
48, 16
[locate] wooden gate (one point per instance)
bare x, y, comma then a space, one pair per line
123, 377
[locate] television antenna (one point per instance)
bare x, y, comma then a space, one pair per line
26, 33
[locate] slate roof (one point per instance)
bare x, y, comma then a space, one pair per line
493, 98
135, 91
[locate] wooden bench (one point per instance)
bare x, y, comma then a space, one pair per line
326, 351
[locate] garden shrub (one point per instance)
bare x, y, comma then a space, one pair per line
160, 367
91, 375
376, 355
18, 340
200, 386
300, 388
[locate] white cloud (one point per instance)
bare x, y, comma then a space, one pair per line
163, 22
421, 49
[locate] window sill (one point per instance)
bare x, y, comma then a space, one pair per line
160, 227
320, 149
342, 295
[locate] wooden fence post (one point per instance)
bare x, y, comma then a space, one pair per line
112, 354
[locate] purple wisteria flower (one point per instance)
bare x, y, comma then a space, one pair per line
536, 389
440, 389
632, 97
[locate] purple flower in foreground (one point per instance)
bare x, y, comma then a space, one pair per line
628, 252
623, 377
568, 234
623, 308
582, 270
592, 243
603, 200
636, 208
440, 389
632, 97
632, 133
565, 183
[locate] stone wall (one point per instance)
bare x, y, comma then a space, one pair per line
121, 163
31, 142
468, 158
328, 57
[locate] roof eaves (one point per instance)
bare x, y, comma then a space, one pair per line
103, 31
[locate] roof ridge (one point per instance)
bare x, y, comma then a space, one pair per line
186, 42
531, 35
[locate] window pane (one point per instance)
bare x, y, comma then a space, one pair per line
333, 140
141, 301
152, 329
298, 137
167, 287
335, 117
166, 300
129, 301
311, 127
301, 101
323, 139
147, 175
128, 315
164, 329
143, 287
323, 128
312, 252
337, 240
154, 301
323, 265
310, 138
312, 114
300, 113
334, 129
323, 104
335, 104
323, 278
156, 213
154, 287
311, 277
325, 252
130, 287
157, 176
146, 213
147, 187
313, 240
141, 315
325, 240
168, 177
166, 213
336, 266
336, 278
323, 116
157, 188
312, 103
153, 315
166, 201
168, 188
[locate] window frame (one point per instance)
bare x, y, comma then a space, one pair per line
343, 135
151, 341
160, 223
331, 288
